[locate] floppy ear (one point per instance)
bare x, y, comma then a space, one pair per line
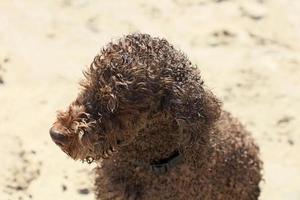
194, 110
194, 104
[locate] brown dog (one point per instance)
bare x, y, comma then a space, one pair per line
144, 111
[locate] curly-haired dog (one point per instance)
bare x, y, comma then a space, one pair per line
160, 133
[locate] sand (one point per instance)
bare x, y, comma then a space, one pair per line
248, 53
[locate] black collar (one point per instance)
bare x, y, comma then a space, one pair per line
164, 165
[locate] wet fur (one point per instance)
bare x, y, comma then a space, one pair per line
141, 100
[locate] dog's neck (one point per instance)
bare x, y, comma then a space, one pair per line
158, 139
160, 144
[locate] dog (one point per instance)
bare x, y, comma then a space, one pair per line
157, 132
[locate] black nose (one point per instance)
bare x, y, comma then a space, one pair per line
58, 137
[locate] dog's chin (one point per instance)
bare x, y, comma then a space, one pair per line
95, 158
75, 154
101, 153
91, 151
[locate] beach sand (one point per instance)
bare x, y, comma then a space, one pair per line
248, 53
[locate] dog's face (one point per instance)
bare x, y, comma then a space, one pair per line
83, 136
71, 130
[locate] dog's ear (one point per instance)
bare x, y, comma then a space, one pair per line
195, 105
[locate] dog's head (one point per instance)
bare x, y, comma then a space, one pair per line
69, 130
89, 131
127, 83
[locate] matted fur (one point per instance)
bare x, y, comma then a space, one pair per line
141, 100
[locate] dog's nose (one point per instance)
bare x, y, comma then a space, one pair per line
58, 137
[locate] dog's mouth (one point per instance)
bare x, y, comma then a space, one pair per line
103, 147
90, 159
100, 152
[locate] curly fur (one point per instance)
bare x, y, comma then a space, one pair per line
141, 100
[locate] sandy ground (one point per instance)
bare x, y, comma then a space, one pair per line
248, 52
